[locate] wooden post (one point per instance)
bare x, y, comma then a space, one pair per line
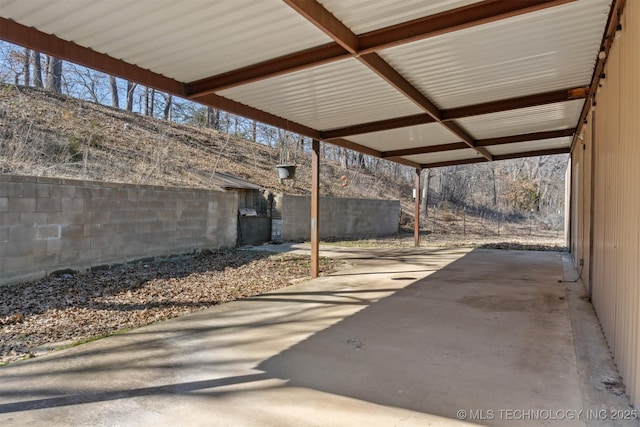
315, 209
416, 215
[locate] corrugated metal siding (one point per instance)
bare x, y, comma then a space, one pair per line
407, 137
183, 39
616, 202
327, 97
547, 50
581, 208
561, 115
362, 16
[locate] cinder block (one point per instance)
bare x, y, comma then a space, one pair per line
100, 241
76, 244
104, 217
142, 227
48, 205
92, 230
26, 190
48, 232
18, 263
22, 204
18, 233
4, 234
42, 190
33, 218
157, 227
54, 247
78, 193
68, 218
91, 255
68, 257
101, 205
109, 229
168, 215
127, 228
4, 204
67, 191
44, 260
72, 205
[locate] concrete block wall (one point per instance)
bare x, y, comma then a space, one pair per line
50, 224
339, 217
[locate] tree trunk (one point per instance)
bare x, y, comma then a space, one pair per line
146, 101
54, 74
495, 193
37, 69
115, 100
131, 88
213, 118
344, 159
426, 177
27, 67
166, 114
152, 102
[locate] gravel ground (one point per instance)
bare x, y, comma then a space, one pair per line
37, 317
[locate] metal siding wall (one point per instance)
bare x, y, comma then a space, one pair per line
616, 201
629, 131
581, 213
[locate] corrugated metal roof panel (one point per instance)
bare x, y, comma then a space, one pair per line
523, 147
407, 137
184, 39
550, 49
561, 115
444, 156
362, 16
326, 97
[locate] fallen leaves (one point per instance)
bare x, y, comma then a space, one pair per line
35, 316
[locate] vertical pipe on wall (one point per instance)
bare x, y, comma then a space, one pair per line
315, 209
416, 210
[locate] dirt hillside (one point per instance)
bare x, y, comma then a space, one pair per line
45, 134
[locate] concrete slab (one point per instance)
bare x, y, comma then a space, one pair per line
405, 337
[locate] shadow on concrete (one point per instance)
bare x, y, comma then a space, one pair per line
105, 396
474, 335
489, 331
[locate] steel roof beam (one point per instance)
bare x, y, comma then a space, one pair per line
31, 38
460, 112
536, 153
535, 136
511, 139
515, 103
330, 25
347, 44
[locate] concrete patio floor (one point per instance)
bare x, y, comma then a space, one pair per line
403, 337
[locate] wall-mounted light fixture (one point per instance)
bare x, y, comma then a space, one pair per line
602, 54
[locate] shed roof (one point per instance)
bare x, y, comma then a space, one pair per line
227, 181
423, 83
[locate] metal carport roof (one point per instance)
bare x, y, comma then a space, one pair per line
423, 83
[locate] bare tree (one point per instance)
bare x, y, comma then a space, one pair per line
152, 99
54, 74
131, 88
27, 67
115, 99
166, 114
426, 178
37, 70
